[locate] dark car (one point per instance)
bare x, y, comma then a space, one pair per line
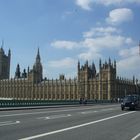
131, 101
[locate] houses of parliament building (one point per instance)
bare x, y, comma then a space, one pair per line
89, 84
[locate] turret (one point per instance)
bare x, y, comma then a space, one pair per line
109, 61
100, 64
115, 64
17, 73
78, 66
28, 69
9, 53
24, 74
93, 69
86, 64
133, 79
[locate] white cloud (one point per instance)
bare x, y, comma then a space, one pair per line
129, 41
129, 52
85, 4
64, 44
110, 41
100, 31
129, 66
116, 2
90, 55
63, 63
119, 16
95, 46
94, 43
104, 37
109, 2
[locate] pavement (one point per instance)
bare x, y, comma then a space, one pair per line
47, 106
36, 107
94, 122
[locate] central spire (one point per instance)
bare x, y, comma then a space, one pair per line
38, 56
37, 68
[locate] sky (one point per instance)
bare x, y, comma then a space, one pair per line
66, 31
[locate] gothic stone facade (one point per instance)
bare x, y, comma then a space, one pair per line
89, 84
4, 64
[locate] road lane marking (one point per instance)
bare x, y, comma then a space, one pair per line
68, 115
5, 122
107, 109
136, 137
9, 123
74, 127
20, 114
89, 112
55, 116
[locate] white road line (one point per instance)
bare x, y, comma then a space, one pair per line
68, 115
89, 112
9, 123
55, 116
74, 127
107, 109
58, 116
5, 122
20, 114
136, 137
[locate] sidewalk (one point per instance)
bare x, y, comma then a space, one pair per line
48, 106
36, 107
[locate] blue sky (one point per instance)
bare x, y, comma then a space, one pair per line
70, 30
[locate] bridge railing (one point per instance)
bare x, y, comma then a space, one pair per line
24, 103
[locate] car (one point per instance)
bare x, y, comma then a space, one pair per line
131, 101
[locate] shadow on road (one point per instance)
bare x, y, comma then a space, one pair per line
127, 109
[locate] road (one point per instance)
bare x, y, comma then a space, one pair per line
94, 122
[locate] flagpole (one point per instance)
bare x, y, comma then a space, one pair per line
139, 48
